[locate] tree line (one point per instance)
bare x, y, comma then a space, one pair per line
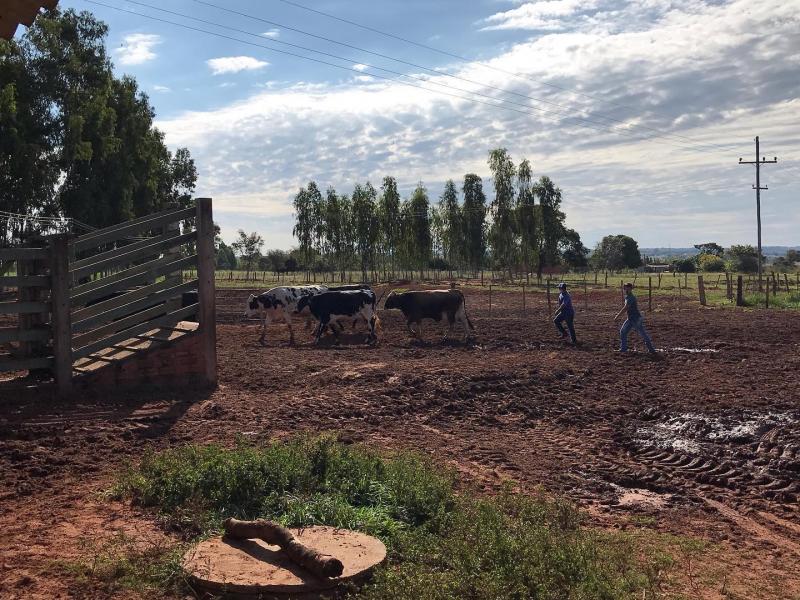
520, 229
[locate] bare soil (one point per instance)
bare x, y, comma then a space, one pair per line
702, 442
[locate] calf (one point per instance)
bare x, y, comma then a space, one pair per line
431, 304
330, 307
280, 302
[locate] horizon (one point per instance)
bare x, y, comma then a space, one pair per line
630, 99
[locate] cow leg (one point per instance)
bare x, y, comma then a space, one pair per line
288, 318
322, 327
264, 322
410, 330
450, 322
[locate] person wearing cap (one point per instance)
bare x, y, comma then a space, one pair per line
565, 314
634, 321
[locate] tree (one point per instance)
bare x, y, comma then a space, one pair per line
419, 233
573, 252
788, 262
502, 233
364, 221
474, 221
616, 252
389, 218
452, 226
710, 263
249, 248
75, 140
307, 203
552, 222
684, 265
742, 258
337, 235
526, 216
711, 248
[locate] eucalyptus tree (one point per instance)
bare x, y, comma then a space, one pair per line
526, 216
452, 225
364, 222
552, 221
420, 228
389, 219
336, 231
249, 246
304, 225
474, 221
502, 233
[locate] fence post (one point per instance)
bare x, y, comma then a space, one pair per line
786, 281
650, 294
490, 299
766, 290
701, 289
585, 295
524, 308
605, 285
739, 291
61, 322
205, 287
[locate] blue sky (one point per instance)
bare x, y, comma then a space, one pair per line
638, 111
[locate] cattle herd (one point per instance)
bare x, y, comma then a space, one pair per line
335, 308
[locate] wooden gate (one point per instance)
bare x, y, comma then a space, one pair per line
112, 285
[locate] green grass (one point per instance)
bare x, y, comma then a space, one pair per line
442, 545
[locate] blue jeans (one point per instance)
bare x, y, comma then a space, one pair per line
570, 325
639, 327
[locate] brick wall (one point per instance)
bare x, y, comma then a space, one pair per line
177, 364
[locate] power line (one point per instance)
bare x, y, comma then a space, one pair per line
465, 59
418, 66
601, 126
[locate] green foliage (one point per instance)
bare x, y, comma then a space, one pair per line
417, 228
249, 248
502, 232
684, 265
711, 248
441, 546
552, 221
574, 253
787, 263
389, 218
74, 139
616, 252
526, 216
365, 225
474, 221
711, 263
742, 258
452, 225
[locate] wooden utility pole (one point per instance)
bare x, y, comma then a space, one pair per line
757, 187
206, 288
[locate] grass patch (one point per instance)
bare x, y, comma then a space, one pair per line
441, 545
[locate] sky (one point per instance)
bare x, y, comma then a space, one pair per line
638, 111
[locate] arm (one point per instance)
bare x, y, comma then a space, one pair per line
619, 314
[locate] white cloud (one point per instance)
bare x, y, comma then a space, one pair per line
360, 67
542, 15
272, 33
694, 72
363, 78
161, 88
234, 64
137, 48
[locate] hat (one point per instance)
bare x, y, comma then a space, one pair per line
562, 286
629, 284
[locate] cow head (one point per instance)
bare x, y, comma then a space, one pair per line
303, 303
392, 301
251, 309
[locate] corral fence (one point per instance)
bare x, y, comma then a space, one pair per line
76, 296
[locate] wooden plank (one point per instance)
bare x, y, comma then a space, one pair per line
25, 281
7, 308
115, 326
25, 364
130, 305
119, 276
14, 334
206, 288
117, 232
137, 276
60, 321
14, 254
81, 314
76, 264
167, 320
124, 256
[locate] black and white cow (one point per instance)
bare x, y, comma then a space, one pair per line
335, 306
431, 304
280, 302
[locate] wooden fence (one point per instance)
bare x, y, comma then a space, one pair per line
112, 285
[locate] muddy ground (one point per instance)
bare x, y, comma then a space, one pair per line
703, 442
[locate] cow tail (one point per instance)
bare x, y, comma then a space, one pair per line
471, 326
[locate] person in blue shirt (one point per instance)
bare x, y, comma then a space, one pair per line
565, 314
634, 321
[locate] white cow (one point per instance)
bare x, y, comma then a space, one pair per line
280, 302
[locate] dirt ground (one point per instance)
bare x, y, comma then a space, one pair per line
703, 442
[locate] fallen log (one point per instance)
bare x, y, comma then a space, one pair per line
322, 565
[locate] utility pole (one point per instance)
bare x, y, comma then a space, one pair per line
757, 187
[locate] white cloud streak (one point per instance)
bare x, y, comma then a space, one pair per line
137, 48
235, 64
